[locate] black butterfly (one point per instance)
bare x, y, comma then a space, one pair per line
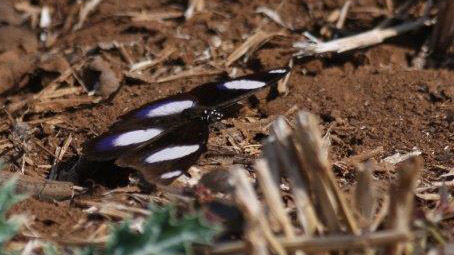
164, 138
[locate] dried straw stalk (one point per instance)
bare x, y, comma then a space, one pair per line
300, 189
321, 207
270, 189
322, 244
258, 232
401, 208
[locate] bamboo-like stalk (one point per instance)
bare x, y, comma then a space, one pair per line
258, 231
316, 159
247, 201
305, 210
272, 196
365, 195
324, 200
401, 207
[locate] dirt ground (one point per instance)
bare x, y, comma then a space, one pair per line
367, 98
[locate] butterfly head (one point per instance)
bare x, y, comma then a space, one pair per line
212, 115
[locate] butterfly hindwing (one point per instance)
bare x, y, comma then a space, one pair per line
224, 93
170, 156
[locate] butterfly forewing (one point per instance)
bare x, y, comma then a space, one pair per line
117, 141
171, 155
224, 93
158, 110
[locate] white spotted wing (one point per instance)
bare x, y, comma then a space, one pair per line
170, 156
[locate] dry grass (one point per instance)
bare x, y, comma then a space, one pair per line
326, 221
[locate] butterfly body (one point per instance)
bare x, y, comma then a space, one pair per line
164, 138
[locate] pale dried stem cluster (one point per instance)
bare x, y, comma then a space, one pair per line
325, 220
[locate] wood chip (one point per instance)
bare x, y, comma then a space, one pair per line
152, 16
398, 157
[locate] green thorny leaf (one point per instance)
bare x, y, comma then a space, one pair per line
163, 234
50, 249
8, 197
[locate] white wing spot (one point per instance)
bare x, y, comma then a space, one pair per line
170, 108
243, 84
172, 153
278, 71
136, 136
171, 174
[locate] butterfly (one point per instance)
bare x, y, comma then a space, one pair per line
162, 139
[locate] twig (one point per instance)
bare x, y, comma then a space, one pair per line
59, 105
273, 15
42, 189
152, 16
362, 156
252, 43
150, 63
435, 185
124, 53
343, 15
323, 244
189, 73
362, 40
60, 152
98, 242
110, 209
